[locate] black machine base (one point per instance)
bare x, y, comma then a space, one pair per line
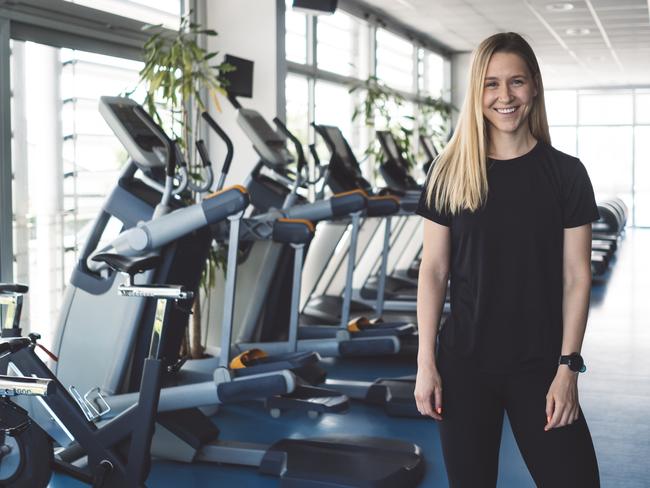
395, 395
396, 289
326, 309
328, 462
344, 461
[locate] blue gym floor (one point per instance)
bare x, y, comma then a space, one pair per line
614, 395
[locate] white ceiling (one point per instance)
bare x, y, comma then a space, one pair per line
616, 51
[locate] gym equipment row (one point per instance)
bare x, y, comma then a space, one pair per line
333, 274
606, 232
105, 437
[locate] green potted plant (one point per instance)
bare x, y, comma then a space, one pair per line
378, 106
177, 75
434, 119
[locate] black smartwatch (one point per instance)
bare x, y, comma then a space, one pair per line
574, 361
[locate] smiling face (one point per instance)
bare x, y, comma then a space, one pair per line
509, 92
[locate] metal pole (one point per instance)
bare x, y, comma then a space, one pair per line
352, 258
383, 269
229, 291
46, 139
299, 250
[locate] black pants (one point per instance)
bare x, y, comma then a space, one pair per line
473, 405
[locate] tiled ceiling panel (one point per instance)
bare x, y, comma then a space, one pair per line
593, 43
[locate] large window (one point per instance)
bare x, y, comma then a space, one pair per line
296, 35
346, 51
297, 105
335, 106
432, 79
395, 61
65, 160
342, 45
642, 175
165, 12
609, 131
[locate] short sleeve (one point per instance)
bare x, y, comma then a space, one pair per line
430, 212
579, 204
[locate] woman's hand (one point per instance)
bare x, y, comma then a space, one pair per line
428, 391
562, 407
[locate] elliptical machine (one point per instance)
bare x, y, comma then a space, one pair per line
118, 452
183, 432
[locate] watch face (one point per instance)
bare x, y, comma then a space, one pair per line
576, 363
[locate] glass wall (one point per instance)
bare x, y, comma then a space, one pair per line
342, 45
395, 61
165, 12
65, 159
346, 50
432, 79
609, 131
297, 105
295, 36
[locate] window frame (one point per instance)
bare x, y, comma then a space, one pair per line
313, 73
633, 124
60, 24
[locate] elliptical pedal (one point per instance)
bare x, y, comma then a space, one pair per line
315, 401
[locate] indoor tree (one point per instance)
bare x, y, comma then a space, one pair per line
379, 107
180, 79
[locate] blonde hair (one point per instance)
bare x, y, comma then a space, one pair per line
458, 180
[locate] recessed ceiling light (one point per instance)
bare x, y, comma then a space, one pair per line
559, 7
577, 31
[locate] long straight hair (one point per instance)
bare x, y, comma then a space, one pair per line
458, 179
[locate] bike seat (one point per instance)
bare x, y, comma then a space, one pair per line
13, 344
128, 264
13, 288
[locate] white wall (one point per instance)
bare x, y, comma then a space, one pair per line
247, 29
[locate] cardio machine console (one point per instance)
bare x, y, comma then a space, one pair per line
143, 146
268, 143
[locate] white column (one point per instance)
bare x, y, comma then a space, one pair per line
247, 29
20, 180
46, 182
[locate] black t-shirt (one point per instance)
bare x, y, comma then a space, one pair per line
506, 260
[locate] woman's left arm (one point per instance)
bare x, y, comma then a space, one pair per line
562, 405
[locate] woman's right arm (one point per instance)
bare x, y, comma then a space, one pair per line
432, 287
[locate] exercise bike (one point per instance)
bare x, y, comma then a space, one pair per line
118, 452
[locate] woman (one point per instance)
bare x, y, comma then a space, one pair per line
507, 218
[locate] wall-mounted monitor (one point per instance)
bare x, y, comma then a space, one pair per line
240, 81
